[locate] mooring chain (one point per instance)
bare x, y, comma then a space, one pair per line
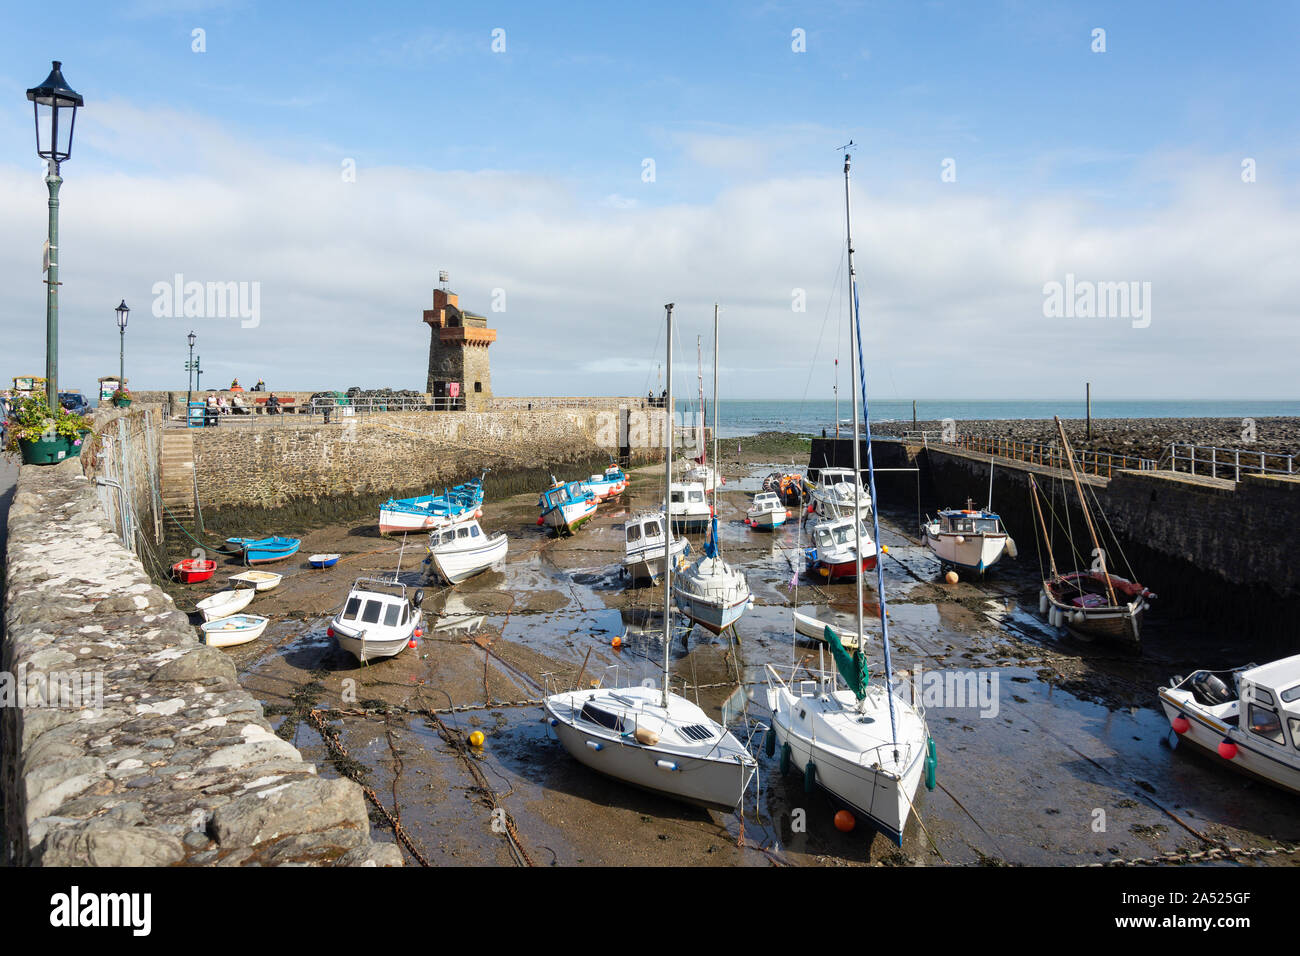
1201, 856
333, 743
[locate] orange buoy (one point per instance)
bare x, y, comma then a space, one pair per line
844, 821
951, 577
617, 642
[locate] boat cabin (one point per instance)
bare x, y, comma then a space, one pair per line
561, 494
379, 604
954, 521
690, 492
837, 535
643, 528
830, 477
1270, 702
463, 533
768, 501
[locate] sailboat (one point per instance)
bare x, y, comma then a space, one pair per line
1092, 603
864, 745
649, 737
711, 592
701, 471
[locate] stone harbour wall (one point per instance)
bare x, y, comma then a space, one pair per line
124, 741
383, 453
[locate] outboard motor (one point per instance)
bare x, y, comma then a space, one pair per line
418, 599
1210, 688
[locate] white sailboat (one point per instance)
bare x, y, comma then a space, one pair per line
865, 745
711, 592
649, 737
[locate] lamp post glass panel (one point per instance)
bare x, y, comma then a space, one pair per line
123, 312
54, 108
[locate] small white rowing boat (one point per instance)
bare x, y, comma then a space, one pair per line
815, 630
261, 580
237, 629
225, 603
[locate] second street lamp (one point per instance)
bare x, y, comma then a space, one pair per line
123, 312
56, 103
189, 367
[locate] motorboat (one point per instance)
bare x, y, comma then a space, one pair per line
689, 507
644, 541
968, 539
608, 485
459, 553
433, 511
378, 620
837, 492
566, 506
835, 549
767, 511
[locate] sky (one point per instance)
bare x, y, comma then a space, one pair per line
575, 166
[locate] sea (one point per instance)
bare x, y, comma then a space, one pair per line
737, 418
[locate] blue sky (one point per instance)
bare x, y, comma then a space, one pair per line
522, 170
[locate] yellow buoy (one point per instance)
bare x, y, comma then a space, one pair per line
951, 577
885, 548
476, 739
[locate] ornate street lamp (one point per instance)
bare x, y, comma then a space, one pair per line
123, 312
54, 107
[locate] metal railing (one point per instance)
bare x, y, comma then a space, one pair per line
1100, 463
1221, 462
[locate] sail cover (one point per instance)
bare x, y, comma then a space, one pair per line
852, 667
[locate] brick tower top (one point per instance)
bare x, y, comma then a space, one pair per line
458, 353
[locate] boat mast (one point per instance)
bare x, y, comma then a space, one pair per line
865, 420
668, 514
1087, 512
699, 365
1047, 541
717, 545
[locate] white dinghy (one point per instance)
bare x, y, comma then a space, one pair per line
233, 630
225, 603
650, 737
459, 553
261, 580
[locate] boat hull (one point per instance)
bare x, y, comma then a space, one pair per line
1120, 625
567, 518
1253, 758
710, 615
647, 565
453, 567
234, 630
404, 522
193, 571
232, 602
766, 520
713, 784
260, 580
976, 553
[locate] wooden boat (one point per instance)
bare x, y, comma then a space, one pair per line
459, 553
377, 620
194, 570
266, 550
433, 511
566, 506
1248, 718
1092, 603
323, 560
237, 629
815, 630
969, 539
225, 603
649, 737
865, 745
260, 580
644, 557
767, 512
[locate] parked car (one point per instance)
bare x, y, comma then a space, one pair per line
74, 402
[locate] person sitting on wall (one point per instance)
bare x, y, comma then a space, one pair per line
273, 405
222, 408
237, 406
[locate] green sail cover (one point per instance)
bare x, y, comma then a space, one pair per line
852, 667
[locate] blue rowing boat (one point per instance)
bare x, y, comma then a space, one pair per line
266, 550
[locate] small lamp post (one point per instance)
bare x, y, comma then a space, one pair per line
189, 367
55, 103
123, 312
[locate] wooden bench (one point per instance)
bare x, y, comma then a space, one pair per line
286, 405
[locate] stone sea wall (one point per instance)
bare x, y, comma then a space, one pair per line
382, 454
123, 740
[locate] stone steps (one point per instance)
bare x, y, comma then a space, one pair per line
177, 473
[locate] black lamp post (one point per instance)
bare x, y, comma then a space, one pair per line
189, 367
54, 107
122, 313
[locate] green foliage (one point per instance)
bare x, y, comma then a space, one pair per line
30, 419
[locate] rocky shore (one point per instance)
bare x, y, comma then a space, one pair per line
1141, 437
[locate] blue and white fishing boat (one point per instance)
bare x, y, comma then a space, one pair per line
432, 512
566, 506
612, 482
266, 550
971, 539
865, 745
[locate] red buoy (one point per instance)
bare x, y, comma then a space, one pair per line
844, 821
1227, 749
419, 632
540, 519
329, 632
1181, 725
411, 643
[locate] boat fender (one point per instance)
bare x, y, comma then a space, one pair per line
769, 743
809, 777
553, 722
785, 757
647, 737
1077, 617
1181, 725
1227, 749
665, 765
1051, 616
595, 745
960, 539
1011, 547
931, 764
419, 599
1043, 603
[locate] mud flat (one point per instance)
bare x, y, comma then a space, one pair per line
1064, 762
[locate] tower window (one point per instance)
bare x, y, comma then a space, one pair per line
478, 386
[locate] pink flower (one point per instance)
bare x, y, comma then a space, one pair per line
77, 442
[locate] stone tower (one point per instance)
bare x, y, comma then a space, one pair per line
458, 352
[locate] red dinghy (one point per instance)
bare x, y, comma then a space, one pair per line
193, 570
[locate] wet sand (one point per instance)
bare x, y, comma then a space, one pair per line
1073, 767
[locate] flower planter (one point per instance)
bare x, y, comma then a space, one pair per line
49, 451
122, 402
